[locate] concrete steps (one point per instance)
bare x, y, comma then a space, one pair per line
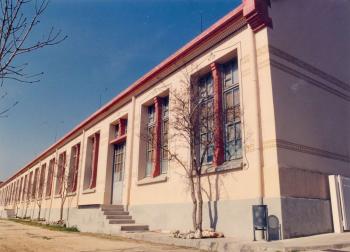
121, 222
116, 215
135, 227
115, 212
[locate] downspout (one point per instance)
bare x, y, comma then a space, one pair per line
255, 80
131, 144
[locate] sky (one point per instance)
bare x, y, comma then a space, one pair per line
110, 44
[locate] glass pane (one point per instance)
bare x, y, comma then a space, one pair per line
164, 166
165, 107
238, 131
229, 107
209, 86
227, 77
238, 148
148, 169
151, 111
230, 133
210, 154
236, 96
230, 150
235, 72
116, 131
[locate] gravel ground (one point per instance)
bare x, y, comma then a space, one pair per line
20, 237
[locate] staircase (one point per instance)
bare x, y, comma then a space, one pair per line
116, 215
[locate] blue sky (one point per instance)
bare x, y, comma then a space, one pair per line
110, 44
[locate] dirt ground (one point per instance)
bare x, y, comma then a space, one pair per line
19, 237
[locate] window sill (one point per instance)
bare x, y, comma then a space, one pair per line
88, 191
71, 194
225, 167
47, 197
149, 180
118, 140
57, 196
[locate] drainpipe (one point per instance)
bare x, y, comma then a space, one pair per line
258, 142
130, 140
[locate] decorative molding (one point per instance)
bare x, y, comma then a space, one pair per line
256, 14
283, 144
306, 66
308, 79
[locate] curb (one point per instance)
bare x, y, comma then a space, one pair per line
220, 245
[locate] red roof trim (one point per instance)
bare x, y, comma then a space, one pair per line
185, 50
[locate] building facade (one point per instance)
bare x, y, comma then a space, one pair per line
282, 68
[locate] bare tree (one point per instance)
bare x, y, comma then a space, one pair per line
27, 192
39, 198
18, 22
66, 178
192, 126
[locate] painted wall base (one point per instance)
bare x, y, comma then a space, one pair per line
303, 217
233, 218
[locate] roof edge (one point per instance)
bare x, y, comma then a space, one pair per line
255, 12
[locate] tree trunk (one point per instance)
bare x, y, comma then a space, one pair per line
194, 201
39, 212
61, 211
200, 204
25, 213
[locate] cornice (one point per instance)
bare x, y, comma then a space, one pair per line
256, 13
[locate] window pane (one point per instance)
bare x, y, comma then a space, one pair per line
209, 86
231, 96
238, 131
227, 76
235, 72
229, 107
210, 153
230, 150
151, 111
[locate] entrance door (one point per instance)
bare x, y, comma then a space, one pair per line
118, 173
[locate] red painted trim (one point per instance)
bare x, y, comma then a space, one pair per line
205, 36
157, 136
29, 189
62, 170
50, 175
218, 139
256, 14
122, 127
118, 140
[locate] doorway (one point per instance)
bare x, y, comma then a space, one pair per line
118, 173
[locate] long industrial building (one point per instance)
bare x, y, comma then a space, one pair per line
275, 73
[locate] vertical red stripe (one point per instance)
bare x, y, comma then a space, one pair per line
157, 136
218, 131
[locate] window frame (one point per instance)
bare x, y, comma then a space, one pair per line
206, 102
151, 124
236, 122
164, 162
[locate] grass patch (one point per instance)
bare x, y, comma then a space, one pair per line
46, 226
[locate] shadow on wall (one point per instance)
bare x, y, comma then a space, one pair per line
213, 195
